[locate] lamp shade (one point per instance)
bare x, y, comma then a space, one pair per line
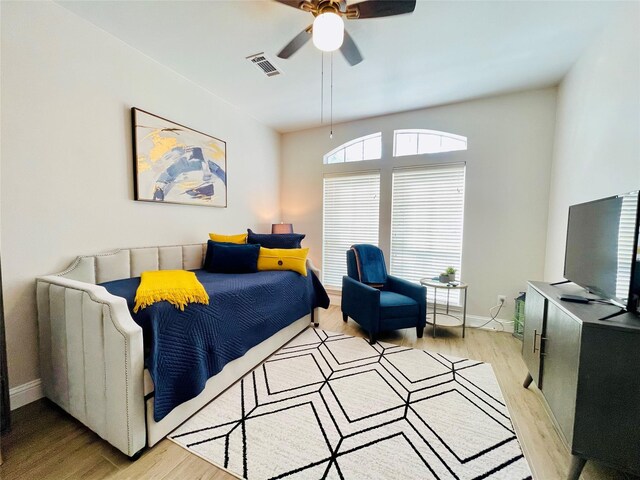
281, 228
328, 32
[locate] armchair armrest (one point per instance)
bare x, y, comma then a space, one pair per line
411, 290
362, 303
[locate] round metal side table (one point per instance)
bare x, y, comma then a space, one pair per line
436, 284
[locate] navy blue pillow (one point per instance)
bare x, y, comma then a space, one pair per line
275, 240
231, 258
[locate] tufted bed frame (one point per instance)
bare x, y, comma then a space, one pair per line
91, 349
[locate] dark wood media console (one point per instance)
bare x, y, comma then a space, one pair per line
589, 373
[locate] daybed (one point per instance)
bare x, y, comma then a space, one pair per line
92, 354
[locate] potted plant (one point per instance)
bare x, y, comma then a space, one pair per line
449, 275
452, 274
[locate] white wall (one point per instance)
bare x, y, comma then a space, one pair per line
67, 88
597, 140
510, 141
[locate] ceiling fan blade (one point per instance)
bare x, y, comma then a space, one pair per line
382, 8
291, 3
296, 44
350, 50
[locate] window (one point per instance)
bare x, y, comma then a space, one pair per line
426, 207
426, 223
368, 147
351, 212
417, 142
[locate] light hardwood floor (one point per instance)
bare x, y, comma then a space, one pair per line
45, 443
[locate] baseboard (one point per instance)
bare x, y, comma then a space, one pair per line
26, 393
473, 321
334, 298
476, 321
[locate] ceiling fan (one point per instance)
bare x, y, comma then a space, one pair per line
328, 31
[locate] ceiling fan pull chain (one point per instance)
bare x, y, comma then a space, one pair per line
331, 98
322, 88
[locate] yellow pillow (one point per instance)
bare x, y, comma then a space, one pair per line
294, 259
240, 238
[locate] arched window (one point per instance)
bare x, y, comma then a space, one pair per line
368, 147
418, 141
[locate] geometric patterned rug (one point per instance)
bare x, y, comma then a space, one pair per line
332, 406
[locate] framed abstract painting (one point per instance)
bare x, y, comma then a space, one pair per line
176, 164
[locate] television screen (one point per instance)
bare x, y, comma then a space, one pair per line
602, 242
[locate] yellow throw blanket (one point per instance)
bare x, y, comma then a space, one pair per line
178, 287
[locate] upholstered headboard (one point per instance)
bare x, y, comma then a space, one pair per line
131, 262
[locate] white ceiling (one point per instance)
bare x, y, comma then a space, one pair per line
444, 52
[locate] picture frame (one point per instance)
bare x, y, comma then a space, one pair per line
176, 164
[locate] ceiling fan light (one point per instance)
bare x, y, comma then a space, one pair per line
328, 32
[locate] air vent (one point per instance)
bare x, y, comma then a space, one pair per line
264, 64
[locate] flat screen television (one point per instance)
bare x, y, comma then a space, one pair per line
602, 249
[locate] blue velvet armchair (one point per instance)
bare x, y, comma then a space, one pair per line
392, 304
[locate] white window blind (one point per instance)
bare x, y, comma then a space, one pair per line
426, 224
351, 213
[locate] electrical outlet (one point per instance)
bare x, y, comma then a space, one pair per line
502, 299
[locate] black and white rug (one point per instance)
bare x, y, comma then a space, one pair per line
328, 405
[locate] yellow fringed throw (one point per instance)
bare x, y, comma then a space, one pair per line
178, 287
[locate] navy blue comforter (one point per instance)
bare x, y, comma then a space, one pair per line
185, 349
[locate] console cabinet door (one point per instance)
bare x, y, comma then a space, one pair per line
534, 313
561, 351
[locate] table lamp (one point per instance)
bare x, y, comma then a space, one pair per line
281, 228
